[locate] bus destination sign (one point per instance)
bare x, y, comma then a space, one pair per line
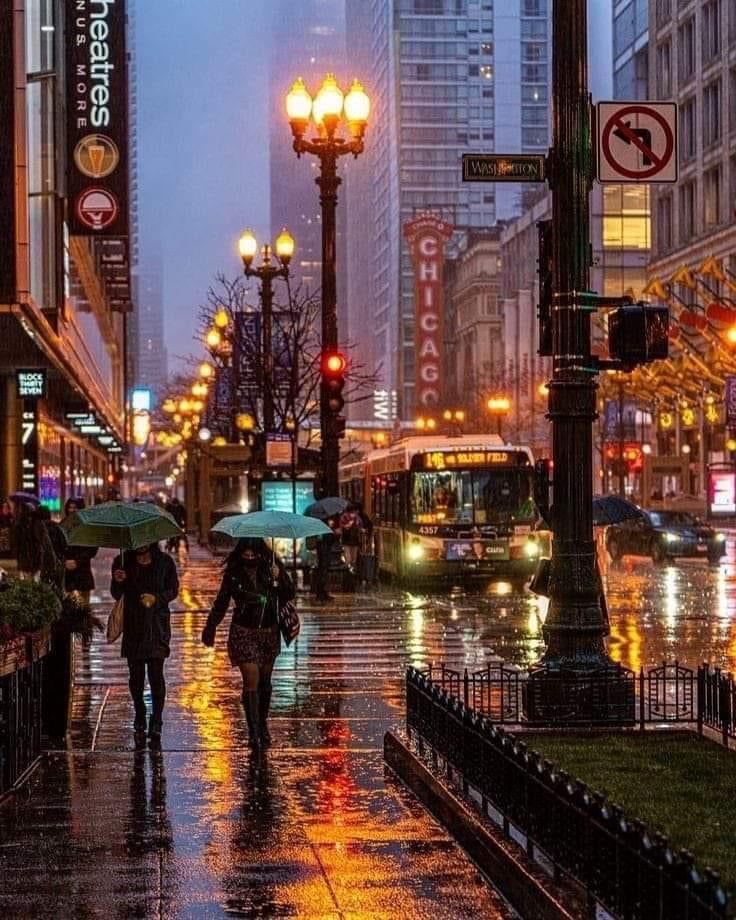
441, 460
504, 167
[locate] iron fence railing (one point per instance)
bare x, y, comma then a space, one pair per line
668, 693
20, 722
633, 873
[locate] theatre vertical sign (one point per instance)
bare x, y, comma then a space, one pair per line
428, 235
97, 117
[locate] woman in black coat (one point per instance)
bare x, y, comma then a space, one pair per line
258, 584
148, 581
78, 560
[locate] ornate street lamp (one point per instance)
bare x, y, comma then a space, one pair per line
266, 272
499, 407
326, 111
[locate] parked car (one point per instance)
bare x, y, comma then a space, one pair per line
665, 535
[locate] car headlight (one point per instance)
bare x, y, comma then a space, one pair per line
721, 537
531, 549
671, 537
415, 552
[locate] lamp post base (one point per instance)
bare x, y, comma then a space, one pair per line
559, 695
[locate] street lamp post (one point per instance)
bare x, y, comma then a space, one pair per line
326, 111
266, 272
499, 407
575, 626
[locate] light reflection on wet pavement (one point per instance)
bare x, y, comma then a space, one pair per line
317, 829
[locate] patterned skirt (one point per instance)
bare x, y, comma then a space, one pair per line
253, 646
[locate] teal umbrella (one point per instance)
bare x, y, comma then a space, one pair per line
268, 524
119, 526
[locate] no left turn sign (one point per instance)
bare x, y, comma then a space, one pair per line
637, 142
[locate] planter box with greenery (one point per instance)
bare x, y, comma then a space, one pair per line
27, 610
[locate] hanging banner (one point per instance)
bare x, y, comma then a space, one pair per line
8, 154
427, 235
97, 118
29, 447
730, 400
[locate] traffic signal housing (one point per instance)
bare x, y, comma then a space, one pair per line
333, 381
638, 333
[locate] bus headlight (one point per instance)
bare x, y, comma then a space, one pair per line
671, 537
721, 537
415, 552
531, 549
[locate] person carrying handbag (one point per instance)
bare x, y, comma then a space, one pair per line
258, 585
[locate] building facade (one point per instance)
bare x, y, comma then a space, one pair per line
446, 78
631, 49
64, 292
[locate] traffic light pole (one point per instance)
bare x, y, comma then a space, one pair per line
575, 626
328, 182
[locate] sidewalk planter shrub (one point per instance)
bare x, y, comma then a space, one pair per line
26, 606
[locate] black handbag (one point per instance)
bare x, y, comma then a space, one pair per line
289, 622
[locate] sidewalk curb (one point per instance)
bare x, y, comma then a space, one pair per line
514, 877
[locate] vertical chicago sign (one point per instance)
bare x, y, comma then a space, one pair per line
97, 117
427, 235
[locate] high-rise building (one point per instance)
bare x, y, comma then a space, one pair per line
631, 48
152, 363
446, 77
691, 58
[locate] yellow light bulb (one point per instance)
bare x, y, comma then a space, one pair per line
298, 103
284, 245
222, 319
247, 246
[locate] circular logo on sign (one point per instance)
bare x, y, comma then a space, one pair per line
97, 208
96, 156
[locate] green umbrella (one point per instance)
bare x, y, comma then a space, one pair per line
267, 524
119, 526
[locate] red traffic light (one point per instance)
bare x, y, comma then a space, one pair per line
333, 364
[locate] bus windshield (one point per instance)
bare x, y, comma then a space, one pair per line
474, 497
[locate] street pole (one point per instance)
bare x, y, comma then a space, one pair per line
267, 317
621, 440
575, 624
328, 183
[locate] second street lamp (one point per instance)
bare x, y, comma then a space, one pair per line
266, 272
326, 110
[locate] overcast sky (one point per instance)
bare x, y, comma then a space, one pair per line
203, 153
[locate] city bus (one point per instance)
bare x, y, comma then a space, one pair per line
450, 506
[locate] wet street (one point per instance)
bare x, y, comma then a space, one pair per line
317, 828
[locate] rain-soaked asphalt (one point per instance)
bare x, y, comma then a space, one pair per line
317, 829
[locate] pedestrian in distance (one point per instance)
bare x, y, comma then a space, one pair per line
257, 583
326, 547
34, 551
176, 509
147, 579
78, 577
350, 527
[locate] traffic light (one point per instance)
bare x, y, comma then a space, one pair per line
638, 333
333, 381
546, 272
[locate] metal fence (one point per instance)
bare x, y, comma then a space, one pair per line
20, 722
668, 693
632, 873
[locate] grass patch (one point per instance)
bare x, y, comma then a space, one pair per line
678, 783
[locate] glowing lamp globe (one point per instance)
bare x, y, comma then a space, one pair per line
298, 107
214, 338
222, 319
327, 106
247, 246
357, 108
285, 246
206, 370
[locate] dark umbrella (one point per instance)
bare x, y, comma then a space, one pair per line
327, 507
119, 526
612, 509
26, 497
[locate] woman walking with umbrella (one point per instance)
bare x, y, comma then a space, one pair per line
258, 585
148, 581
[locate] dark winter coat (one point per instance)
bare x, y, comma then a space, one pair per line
146, 630
257, 600
81, 578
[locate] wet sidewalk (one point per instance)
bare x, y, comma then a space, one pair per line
314, 828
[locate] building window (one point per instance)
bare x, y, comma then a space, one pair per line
687, 211
626, 217
712, 197
664, 70
711, 30
664, 223
686, 50
663, 11
688, 138
712, 112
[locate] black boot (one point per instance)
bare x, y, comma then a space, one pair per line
156, 723
141, 717
252, 717
264, 705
